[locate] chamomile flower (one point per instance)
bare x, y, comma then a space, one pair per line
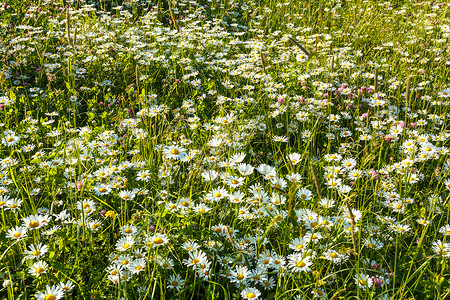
174, 152
190, 246
137, 266
128, 229
51, 293
38, 268
298, 263
175, 282
157, 240
333, 256
245, 169
196, 258
143, 175
17, 232
36, 251
240, 274
294, 158
66, 286
298, 244
445, 230
234, 181
363, 281
124, 243
251, 293
216, 194
33, 221
304, 194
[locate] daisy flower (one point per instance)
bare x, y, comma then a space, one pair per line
210, 175
124, 243
36, 251
175, 282
239, 275
363, 281
102, 189
217, 194
158, 239
250, 293
445, 230
190, 246
299, 264
51, 293
333, 256
38, 268
143, 175
196, 258
298, 244
174, 152
66, 286
304, 194
127, 195
17, 232
234, 181
128, 229
33, 221
137, 266
294, 158
245, 169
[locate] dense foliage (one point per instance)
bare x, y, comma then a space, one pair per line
224, 149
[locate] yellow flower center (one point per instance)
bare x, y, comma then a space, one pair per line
158, 241
33, 224
300, 264
251, 295
50, 297
36, 252
39, 270
175, 152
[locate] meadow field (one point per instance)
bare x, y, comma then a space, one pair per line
206, 149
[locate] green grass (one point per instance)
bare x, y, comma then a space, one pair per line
222, 150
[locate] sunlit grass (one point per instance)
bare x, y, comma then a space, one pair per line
212, 150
